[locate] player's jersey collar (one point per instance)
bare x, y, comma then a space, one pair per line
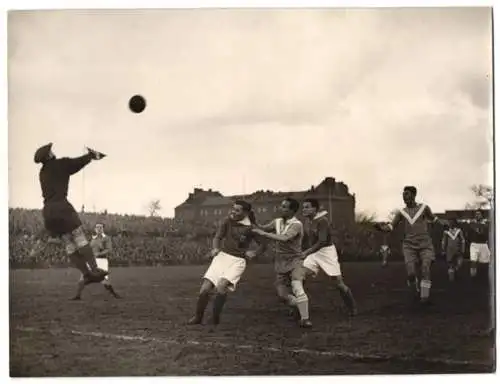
246, 221
282, 225
413, 220
320, 215
103, 235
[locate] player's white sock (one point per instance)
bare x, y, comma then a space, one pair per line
303, 306
451, 273
301, 299
425, 288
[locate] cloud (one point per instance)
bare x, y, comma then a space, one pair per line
280, 98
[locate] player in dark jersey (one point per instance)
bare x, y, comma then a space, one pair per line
418, 249
230, 251
60, 218
453, 246
478, 236
320, 252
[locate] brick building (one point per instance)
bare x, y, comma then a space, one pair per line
334, 196
463, 215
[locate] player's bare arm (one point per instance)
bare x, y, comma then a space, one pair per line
393, 224
431, 216
462, 242
444, 241
269, 227
289, 235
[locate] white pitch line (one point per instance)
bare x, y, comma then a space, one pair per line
304, 351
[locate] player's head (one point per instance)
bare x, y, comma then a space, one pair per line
44, 154
478, 215
310, 207
453, 223
242, 209
289, 208
409, 194
99, 228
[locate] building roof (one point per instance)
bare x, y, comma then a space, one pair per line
214, 201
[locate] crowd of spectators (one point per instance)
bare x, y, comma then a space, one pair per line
142, 240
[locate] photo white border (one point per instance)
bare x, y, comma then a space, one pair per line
107, 4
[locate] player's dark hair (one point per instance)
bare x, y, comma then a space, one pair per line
313, 202
411, 189
294, 204
247, 207
251, 216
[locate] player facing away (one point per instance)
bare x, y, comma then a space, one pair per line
418, 249
290, 273
453, 246
321, 253
230, 251
479, 250
60, 218
102, 246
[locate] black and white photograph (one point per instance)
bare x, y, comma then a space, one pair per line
250, 191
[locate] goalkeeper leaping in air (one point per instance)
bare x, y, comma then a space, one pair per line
60, 217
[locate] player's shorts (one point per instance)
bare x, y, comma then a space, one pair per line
226, 266
480, 252
325, 259
284, 279
103, 264
60, 218
453, 256
414, 254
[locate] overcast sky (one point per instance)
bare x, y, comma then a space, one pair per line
240, 100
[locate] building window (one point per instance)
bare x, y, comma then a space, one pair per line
264, 209
275, 209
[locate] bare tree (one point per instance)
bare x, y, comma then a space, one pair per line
392, 214
364, 218
154, 207
483, 197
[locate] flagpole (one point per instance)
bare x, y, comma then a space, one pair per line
83, 185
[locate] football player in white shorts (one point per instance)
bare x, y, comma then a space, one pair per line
321, 253
230, 251
480, 254
101, 246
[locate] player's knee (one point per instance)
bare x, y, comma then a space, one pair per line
338, 283
79, 238
206, 287
298, 288
282, 291
426, 269
222, 287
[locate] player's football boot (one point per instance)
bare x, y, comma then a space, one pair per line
97, 275
305, 323
195, 320
294, 313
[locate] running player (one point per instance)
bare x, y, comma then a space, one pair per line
418, 249
60, 218
321, 252
101, 246
479, 251
288, 263
453, 246
230, 250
